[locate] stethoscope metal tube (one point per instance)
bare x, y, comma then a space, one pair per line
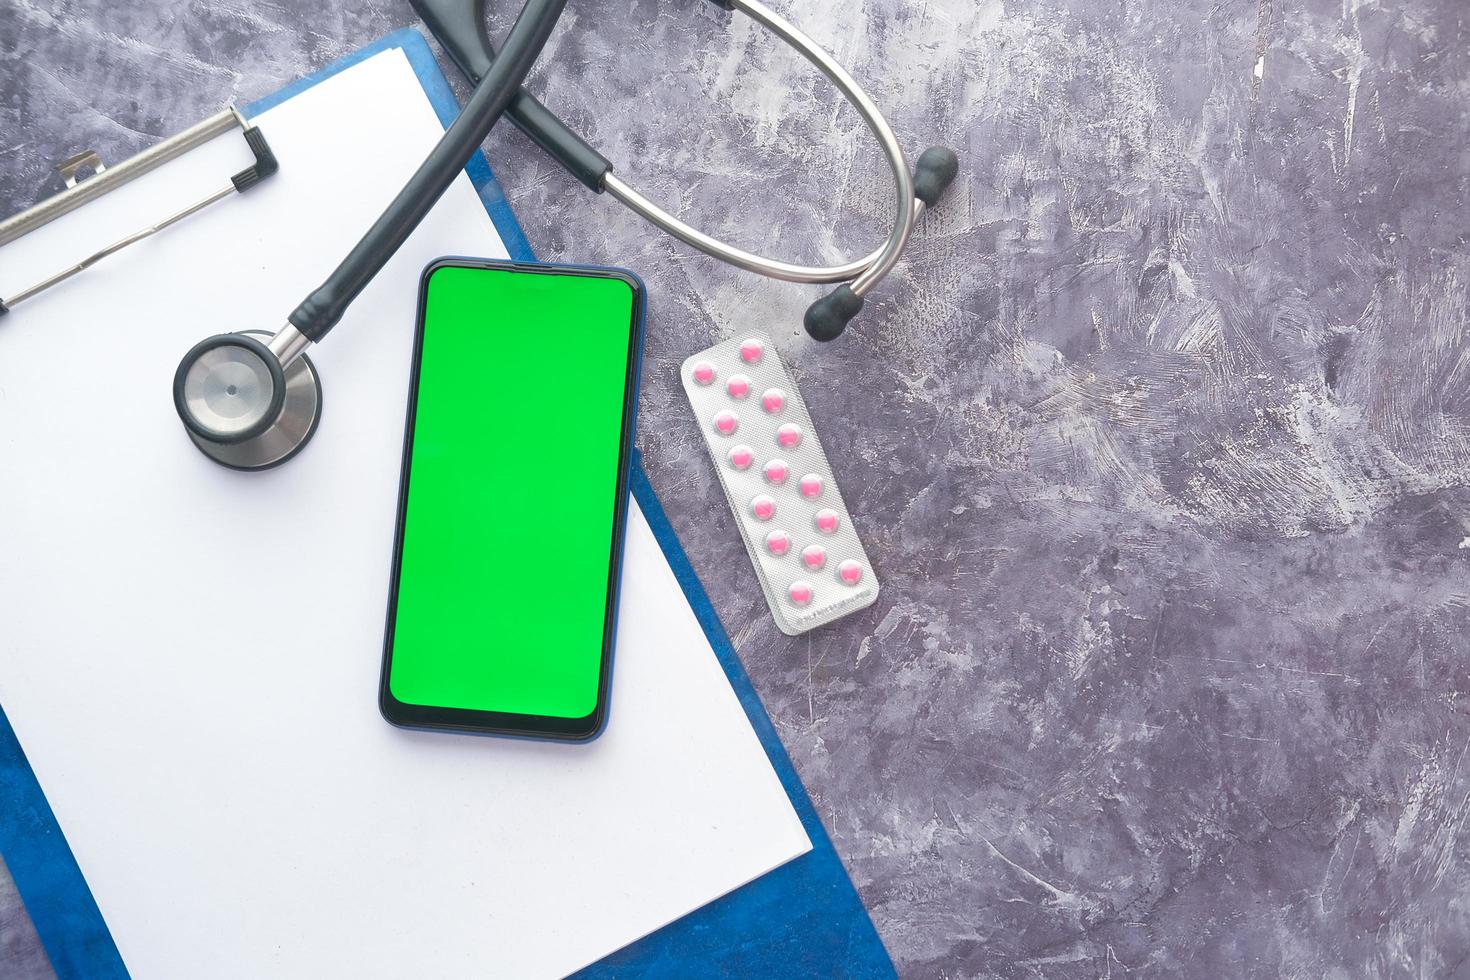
288, 344
749, 261
904, 221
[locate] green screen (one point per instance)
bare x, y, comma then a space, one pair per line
502, 590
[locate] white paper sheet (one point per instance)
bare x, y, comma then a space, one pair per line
190, 655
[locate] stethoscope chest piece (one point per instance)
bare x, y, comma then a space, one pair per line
241, 407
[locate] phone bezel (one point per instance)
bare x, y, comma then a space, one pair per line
438, 718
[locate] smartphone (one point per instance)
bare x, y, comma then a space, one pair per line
502, 608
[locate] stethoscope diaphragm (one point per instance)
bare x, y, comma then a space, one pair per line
241, 407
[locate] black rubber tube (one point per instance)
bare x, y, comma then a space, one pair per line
320, 311
459, 25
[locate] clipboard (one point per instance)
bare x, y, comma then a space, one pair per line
804, 918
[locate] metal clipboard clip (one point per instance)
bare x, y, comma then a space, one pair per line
80, 190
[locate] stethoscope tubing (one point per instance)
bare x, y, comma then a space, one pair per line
324, 307
887, 256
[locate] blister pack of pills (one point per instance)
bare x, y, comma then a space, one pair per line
796, 527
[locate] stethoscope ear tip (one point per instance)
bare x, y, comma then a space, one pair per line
829, 316
934, 172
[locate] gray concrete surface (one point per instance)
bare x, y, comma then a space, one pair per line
1159, 440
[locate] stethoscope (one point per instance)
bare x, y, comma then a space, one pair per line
252, 400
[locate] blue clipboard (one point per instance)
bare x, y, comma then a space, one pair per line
803, 919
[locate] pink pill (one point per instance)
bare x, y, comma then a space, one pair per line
801, 593
704, 372
763, 507
850, 572
776, 472
778, 543
814, 556
827, 520
726, 423
752, 350
741, 457
773, 400
811, 486
738, 386
789, 435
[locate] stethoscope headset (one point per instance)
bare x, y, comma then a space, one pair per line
251, 400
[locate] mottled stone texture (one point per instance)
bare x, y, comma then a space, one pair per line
1159, 439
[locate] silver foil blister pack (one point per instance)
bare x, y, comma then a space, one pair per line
780, 487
